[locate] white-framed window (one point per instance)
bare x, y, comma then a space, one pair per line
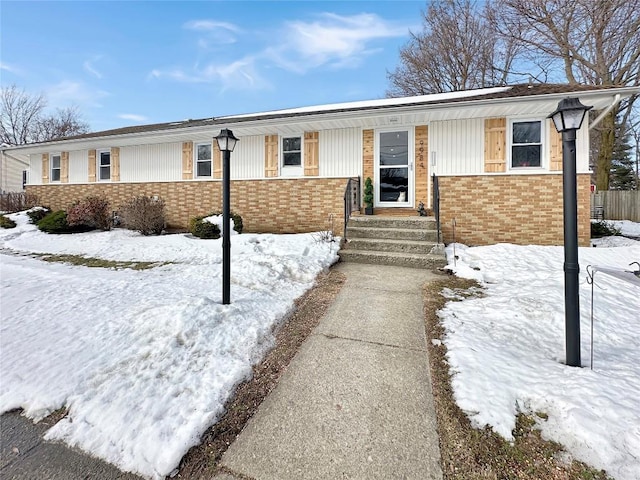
104, 165
54, 164
292, 151
526, 143
203, 160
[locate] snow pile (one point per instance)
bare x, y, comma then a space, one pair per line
143, 360
507, 349
217, 220
627, 228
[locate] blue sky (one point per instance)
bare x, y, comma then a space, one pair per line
125, 63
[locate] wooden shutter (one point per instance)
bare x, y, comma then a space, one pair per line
92, 165
187, 160
45, 168
495, 145
421, 165
367, 155
217, 160
555, 142
115, 164
311, 161
64, 167
271, 156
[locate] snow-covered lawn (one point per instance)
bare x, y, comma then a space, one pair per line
506, 350
143, 360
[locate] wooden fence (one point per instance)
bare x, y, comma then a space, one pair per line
616, 205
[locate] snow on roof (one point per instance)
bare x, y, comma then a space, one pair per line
382, 102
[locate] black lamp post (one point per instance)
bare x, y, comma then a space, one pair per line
568, 118
226, 143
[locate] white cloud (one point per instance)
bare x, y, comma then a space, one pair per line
68, 93
133, 117
10, 68
333, 40
238, 75
89, 67
208, 25
213, 34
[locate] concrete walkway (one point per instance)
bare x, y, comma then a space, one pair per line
356, 401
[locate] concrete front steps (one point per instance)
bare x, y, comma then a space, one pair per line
400, 241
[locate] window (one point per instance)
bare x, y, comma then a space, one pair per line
203, 160
104, 164
292, 151
526, 144
55, 167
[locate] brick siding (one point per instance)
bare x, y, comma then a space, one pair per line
276, 206
520, 209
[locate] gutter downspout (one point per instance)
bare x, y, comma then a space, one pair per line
616, 100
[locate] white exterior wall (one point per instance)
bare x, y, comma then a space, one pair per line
582, 148
79, 166
151, 163
35, 169
247, 159
11, 173
340, 152
458, 146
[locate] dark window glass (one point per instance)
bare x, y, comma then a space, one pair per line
105, 158
204, 169
394, 184
526, 132
292, 151
526, 156
204, 152
394, 148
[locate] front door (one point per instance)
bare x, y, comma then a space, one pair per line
394, 163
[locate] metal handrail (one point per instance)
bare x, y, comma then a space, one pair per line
351, 201
436, 203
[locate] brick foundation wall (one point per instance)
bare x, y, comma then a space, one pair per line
520, 209
276, 206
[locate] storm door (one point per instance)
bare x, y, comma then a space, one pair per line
394, 182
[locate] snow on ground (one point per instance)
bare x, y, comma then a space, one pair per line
627, 228
143, 360
506, 350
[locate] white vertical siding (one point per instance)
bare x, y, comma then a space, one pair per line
582, 147
340, 152
11, 173
151, 163
459, 146
79, 166
35, 169
247, 159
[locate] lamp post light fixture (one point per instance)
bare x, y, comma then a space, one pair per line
568, 118
226, 143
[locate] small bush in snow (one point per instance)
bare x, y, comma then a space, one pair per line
17, 201
602, 228
143, 214
93, 212
237, 220
56, 222
37, 213
201, 228
6, 222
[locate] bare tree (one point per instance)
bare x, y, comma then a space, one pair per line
594, 42
23, 119
19, 116
458, 49
64, 123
